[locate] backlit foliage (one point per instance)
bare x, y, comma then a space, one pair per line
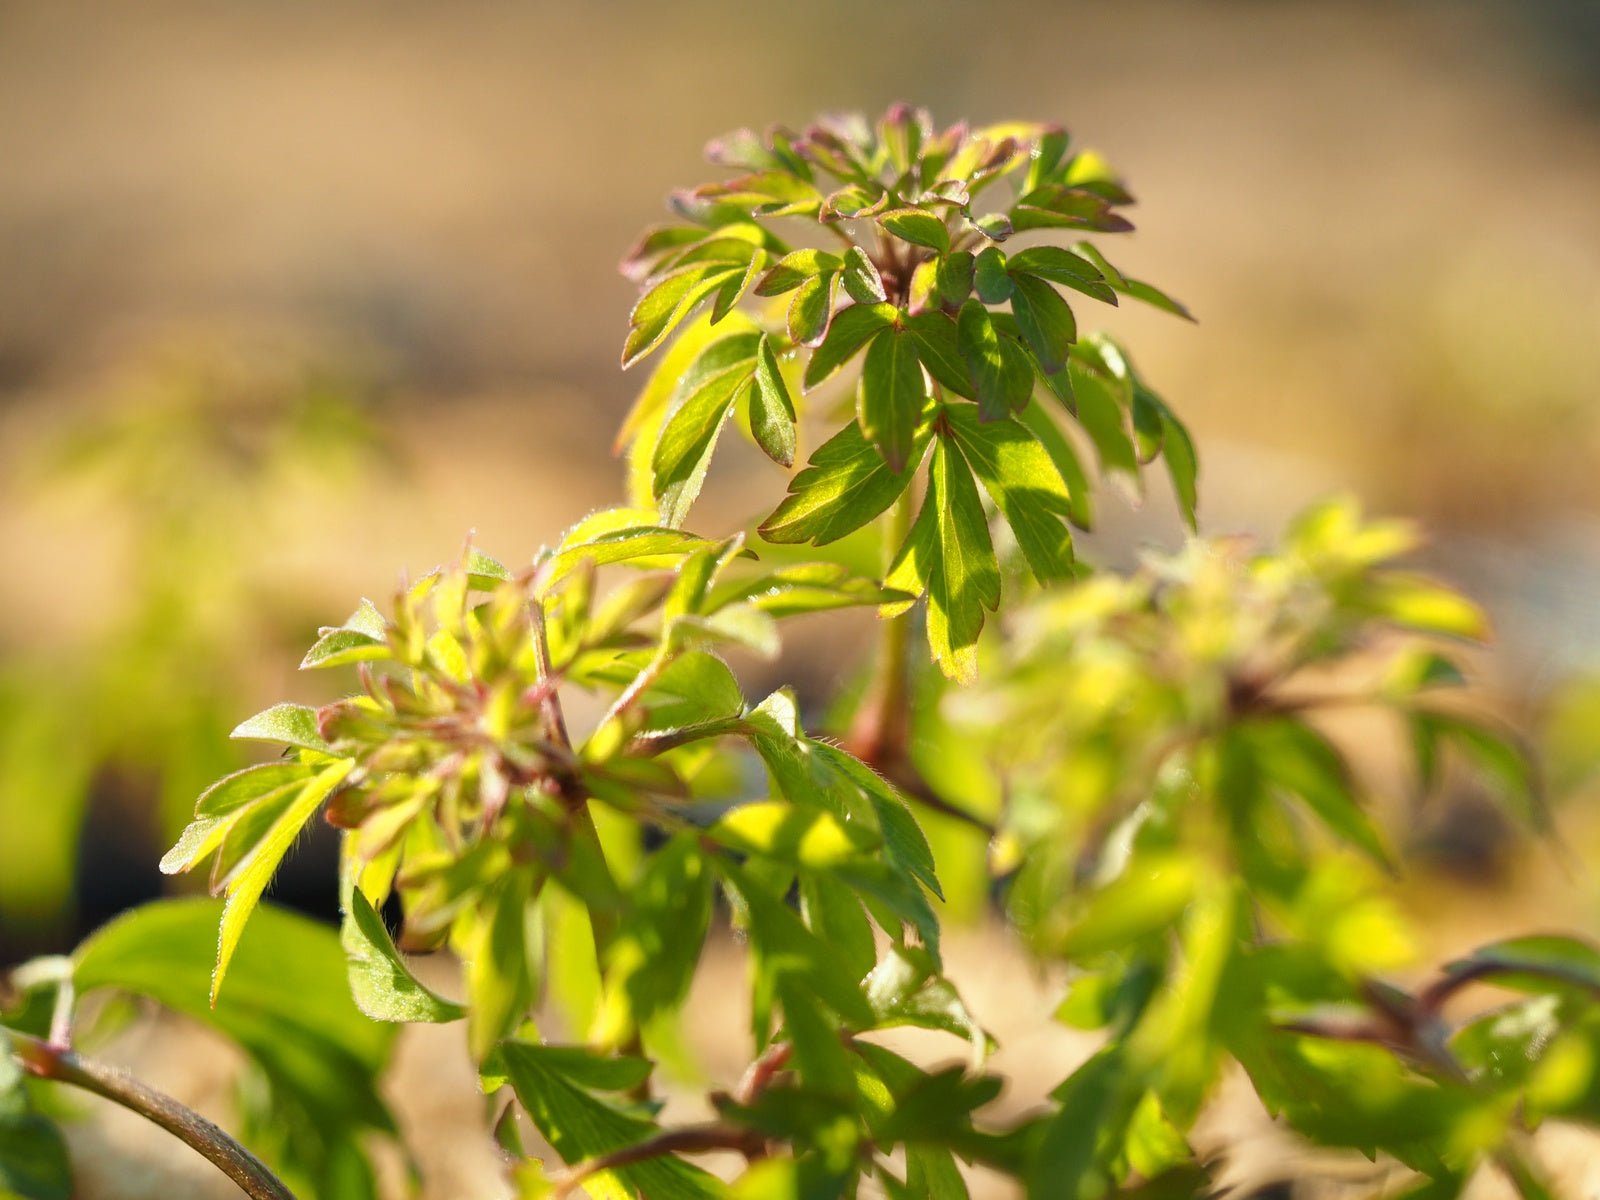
552, 770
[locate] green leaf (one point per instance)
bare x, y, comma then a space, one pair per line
990, 278
905, 846
1021, 479
588, 1068
581, 1126
498, 961
731, 292
997, 227
905, 988
287, 1003
1080, 507
932, 1174
1417, 669
940, 351
1002, 377
654, 245
484, 572
1057, 206
1148, 897
850, 330
222, 805
772, 415
689, 439
891, 397
33, 1155
1505, 764
965, 578
854, 201
820, 1059
846, 484
913, 563
918, 227
1045, 320
1064, 267
1109, 273
697, 344
1103, 418
694, 687
811, 839
340, 647
1416, 602
861, 278
808, 311
250, 877
290, 724
1054, 263
651, 959
668, 301
1151, 295
1094, 1102
802, 588
795, 268
833, 912
647, 547
383, 986
359, 639
936, 1107
1182, 464
1299, 760
784, 946
953, 277
1139, 290
1048, 152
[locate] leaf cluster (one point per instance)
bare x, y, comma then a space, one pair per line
1186, 835
949, 337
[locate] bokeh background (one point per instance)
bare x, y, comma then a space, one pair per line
292, 297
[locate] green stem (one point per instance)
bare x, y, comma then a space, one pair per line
60, 1065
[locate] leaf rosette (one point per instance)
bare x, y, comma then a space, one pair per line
949, 337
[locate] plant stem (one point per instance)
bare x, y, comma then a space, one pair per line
60, 1065
61, 1015
541, 647
697, 1139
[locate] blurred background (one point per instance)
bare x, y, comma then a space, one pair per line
292, 297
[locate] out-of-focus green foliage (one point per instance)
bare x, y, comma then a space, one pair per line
192, 456
1185, 835
310, 1100
1173, 822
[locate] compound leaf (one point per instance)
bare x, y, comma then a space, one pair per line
965, 578
1021, 479
580, 1126
846, 484
891, 396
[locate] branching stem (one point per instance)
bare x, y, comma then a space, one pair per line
58, 1064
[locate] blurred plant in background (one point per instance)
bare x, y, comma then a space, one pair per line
195, 461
